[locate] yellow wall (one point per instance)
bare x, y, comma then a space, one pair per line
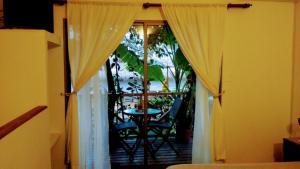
56, 86
296, 77
23, 72
32, 75
257, 78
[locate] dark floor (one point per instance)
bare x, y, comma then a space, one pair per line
163, 158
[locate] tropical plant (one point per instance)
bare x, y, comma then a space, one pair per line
164, 44
115, 64
161, 102
134, 85
135, 64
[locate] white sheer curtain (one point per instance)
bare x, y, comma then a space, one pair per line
93, 123
199, 30
201, 137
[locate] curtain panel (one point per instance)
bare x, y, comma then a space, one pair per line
93, 123
199, 30
95, 30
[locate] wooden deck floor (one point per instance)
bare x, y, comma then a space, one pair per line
164, 157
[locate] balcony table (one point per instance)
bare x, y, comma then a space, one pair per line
138, 118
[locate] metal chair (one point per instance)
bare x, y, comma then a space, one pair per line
124, 131
162, 129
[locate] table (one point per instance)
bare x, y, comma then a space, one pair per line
291, 149
138, 117
135, 112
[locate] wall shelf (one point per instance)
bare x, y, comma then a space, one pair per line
52, 40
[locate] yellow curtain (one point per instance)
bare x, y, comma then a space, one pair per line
199, 30
95, 30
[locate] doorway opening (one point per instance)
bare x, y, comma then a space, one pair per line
151, 99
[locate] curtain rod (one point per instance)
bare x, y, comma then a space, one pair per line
148, 5
245, 5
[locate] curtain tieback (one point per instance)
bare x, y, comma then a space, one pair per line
69, 94
219, 94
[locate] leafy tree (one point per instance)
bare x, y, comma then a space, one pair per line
164, 44
135, 64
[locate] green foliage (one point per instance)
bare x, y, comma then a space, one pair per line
115, 65
160, 101
162, 38
134, 64
164, 44
182, 63
134, 85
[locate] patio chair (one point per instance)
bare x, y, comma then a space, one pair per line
125, 131
162, 129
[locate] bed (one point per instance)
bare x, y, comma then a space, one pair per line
271, 165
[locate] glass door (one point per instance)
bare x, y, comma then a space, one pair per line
148, 74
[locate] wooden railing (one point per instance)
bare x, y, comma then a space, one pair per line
12, 125
149, 94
